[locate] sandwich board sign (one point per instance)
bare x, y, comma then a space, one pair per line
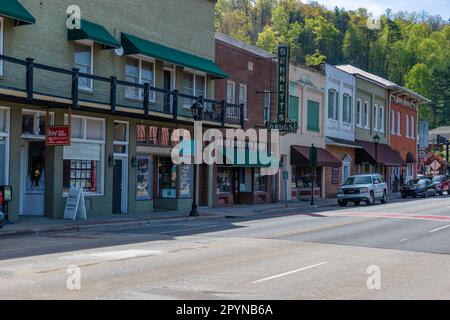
75, 206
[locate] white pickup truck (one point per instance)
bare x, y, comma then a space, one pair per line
366, 188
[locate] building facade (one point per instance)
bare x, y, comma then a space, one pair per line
340, 129
123, 84
307, 108
251, 82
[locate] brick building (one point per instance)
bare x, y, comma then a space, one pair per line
251, 81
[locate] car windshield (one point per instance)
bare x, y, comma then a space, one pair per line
358, 180
415, 181
438, 178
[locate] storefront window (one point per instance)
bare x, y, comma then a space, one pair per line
167, 177
143, 178
260, 181
80, 174
302, 177
223, 180
185, 180
84, 158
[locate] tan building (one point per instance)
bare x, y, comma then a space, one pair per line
307, 107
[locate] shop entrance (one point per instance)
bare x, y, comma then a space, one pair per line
33, 178
119, 186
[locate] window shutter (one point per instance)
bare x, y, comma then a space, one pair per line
330, 105
336, 116
313, 117
293, 109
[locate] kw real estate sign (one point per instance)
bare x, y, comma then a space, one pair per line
283, 93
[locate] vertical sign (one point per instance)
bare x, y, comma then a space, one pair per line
423, 134
283, 81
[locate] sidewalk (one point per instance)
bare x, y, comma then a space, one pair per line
41, 225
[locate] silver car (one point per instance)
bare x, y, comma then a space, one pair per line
366, 188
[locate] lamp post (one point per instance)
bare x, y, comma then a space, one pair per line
376, 140
197, 110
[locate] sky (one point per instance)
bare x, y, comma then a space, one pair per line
378, 7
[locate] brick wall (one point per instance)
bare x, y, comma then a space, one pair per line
339, 153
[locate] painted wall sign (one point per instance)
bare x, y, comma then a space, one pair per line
58, 136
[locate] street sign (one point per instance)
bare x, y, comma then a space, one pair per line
435, 166
58, 136
283, 81
313, 156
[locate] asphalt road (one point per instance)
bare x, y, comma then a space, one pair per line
305, 254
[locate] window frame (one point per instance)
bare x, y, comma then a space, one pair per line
267, 108
347, 109
6, 135
359, 115
242, 86
335, 104
36, 114
382, 118
367, 115
375, 117
399, 124
140, 59
407, 126
90, 45
229, 82
413, 131
392, 122
125, 143
194, 74
308, 127
2, 30
102, 144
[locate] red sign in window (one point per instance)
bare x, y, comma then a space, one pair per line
58, 136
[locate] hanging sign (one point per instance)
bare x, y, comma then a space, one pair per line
75, 205
283, 93
58, 136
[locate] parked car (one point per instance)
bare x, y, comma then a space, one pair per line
441, 184
2, 219
366, 188
418, 188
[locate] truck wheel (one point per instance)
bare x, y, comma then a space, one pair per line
385, 199
371, 201
342, 204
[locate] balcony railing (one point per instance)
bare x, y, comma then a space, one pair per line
37, 79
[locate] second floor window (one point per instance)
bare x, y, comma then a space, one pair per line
366, 114
392, 122
348, 109
399, 124
231, 96
313, 123
267, 107
1, 45
139, 72
407, 126
84, 62
412, 128
375, 117
381, 120
359, 113
243, 99
193, 85
333, 104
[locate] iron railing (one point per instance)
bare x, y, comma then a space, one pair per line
45, 80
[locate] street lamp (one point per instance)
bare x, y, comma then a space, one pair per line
376, 140
197, 110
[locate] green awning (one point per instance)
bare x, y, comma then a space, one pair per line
94, 32
134, 45
14, 10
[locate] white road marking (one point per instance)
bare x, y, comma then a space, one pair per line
289, 273
114, 255
439, 229
405, 239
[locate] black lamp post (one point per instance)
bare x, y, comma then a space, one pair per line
376, 140
197, 110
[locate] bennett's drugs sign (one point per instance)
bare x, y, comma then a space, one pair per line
283, 81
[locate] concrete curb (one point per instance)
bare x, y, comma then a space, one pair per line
79, 227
